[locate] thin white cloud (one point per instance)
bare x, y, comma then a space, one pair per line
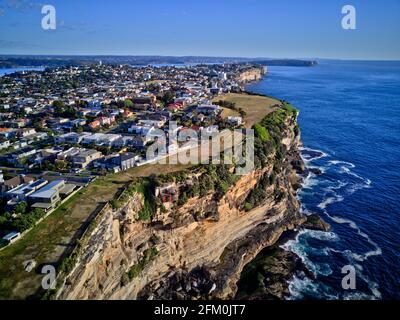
19, 5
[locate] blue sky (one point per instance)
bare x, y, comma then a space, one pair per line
248, 28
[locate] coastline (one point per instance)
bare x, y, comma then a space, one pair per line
268, 274
184, 267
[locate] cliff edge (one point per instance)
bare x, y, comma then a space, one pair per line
195, 245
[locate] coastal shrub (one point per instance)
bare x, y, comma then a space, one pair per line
213, 178
148, 256
257, 196
269, 134
262, 132
224, 187
292, 110
272, 179
248, 207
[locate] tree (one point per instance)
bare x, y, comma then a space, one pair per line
128, 103
20, 208
61, 165
58, 104
168, 97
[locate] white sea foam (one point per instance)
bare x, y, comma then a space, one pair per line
307, 158
304, 210
336, 162
310, 181
339, 185
321, 168
299, 287
359, 257
302, 249
330, 200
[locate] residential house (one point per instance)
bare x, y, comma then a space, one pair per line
208, 109
71, 138
8, 133
236, 121
22, 192
4, 144
95, 124
101, 139
85, 157
15, 182
48, 196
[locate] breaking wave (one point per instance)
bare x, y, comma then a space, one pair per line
341, 182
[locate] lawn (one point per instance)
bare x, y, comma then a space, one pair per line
229, 113
256, 107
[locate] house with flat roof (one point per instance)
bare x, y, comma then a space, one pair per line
85, 157
126, 160
11, 237
208, 109
23, 191
48, 196
101, 139
71, 138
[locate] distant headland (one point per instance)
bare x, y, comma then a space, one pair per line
16, 61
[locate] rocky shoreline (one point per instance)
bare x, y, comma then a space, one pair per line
267, 277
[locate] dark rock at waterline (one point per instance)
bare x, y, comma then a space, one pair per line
316, 171
298, 165
315, 222
267, 277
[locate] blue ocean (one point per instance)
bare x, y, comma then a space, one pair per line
350, 122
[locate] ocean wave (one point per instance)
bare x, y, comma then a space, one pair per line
339, 185
300, 288
336, 162
309, 154
348, 183
330, 200
320, 168
357, 296
373, 286
302, 249
377, 251
310, 181
358, 186
304, 210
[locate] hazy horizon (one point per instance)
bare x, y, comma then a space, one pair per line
197, 56
285, 29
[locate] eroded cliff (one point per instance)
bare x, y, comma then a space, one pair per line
194, 248
252, 74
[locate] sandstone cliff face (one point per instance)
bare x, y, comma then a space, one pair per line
253, 74
196, 257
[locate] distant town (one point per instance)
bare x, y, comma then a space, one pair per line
63, 127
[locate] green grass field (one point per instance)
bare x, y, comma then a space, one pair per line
256, 107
